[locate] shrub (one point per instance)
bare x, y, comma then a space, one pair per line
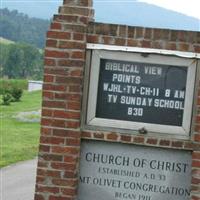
7, 98
8, 84
16, 94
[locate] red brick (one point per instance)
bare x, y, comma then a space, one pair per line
76, 73
57, 71
72, 142
188, 145
73, 124
52, 87
70, 159
196, 163
52, 157
39, 197
65, 114
69, 191
56, 25
53, 104
44, 189
65, 150
197, 137
58, 198
196, 173
51, 140
196, 155
164, 142
145, 44
46, 122
78, 36
68, 18
120, 41
171, 46
87, 3
40, 179
60, 96
68, 80
197, 49
59, 123
56, 54
73, 105
107, 40
126, 138
61, 182
92, 38
48, 78
71, 63
152, 141
74, 97
99, 135
66, 133
42, 164
47, 112
198, 101
59, 35
46, 131
83, 11
70, 174
132, 42
177, 144
47, 95
78, 54
112, 136
197, 128
195, 197
183, 47
198, 119
75, 88
44, 148
49, 173
63, 166
51, 43
195, 181
49, 62
85, 134
138, 140
71, 45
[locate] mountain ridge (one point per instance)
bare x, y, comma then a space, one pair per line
130, 13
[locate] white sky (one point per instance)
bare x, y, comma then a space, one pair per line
188, 7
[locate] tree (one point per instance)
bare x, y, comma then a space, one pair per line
23, 61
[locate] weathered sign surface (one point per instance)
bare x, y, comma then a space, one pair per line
120, 171
141, 92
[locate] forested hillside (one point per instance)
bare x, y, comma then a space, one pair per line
21, 28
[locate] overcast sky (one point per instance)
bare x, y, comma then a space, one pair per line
188, 7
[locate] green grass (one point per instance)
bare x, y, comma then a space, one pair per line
19, 140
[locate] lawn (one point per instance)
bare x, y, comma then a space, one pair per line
18, 139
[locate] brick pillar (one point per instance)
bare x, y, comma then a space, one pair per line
57, 172
195, 187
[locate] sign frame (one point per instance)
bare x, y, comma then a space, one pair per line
89, 119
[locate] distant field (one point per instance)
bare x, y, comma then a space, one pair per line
19, 140
6, 41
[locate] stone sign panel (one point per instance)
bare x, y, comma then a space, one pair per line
141, 92
121, 171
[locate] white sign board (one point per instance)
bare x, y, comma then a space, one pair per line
111, 171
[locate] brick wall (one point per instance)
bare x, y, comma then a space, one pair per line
71, 29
